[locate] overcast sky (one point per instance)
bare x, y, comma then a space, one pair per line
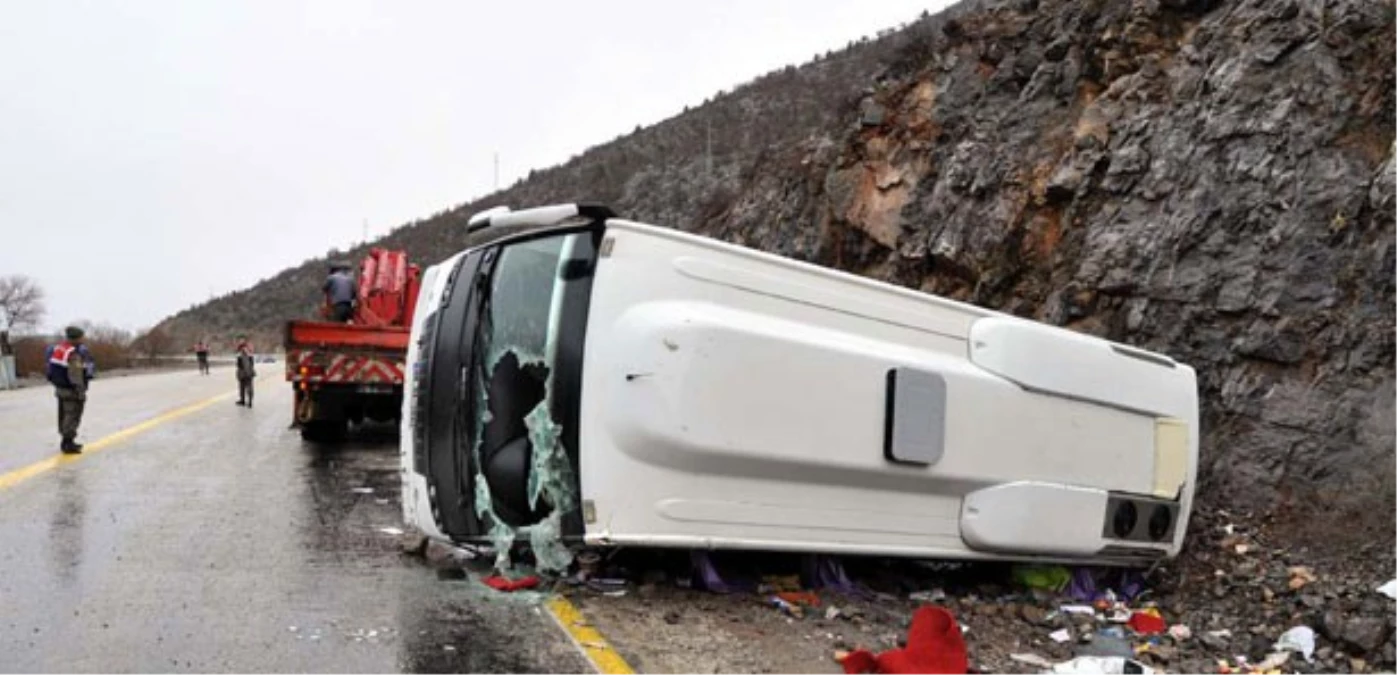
153, 154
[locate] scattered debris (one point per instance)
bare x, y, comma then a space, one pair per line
706, 576
1101, 665
781, 583
824, 571
500, 583
788, 608
1147, 622
362, 490
413, 543
934, 645
1301, 576
1161, 627
441, 554
805, 598
1298, 639
1042, 577
394, 531
1106, 645
1090, 584
1389, 589
588, 564
1032, 660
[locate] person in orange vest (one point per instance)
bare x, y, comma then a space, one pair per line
67, 371
201, 350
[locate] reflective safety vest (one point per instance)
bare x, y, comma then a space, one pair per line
59, 355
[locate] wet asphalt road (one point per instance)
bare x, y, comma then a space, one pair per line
219, 541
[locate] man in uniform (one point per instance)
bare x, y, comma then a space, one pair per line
201, 351
67, 371
339, 293
245, 371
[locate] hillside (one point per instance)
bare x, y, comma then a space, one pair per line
1210, 179
691, 165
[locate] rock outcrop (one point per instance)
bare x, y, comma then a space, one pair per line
1211, 180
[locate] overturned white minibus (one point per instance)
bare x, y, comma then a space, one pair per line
579, 379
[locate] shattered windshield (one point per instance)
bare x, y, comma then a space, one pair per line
525, 482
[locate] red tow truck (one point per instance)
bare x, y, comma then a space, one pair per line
349, 372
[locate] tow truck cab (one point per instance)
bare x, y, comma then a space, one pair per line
583, 379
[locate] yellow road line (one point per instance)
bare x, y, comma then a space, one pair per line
13, 478
603, 657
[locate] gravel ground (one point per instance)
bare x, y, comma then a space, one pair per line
1235, 589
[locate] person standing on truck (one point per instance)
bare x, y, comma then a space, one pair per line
201, 351
245, 371
67, 372
339, 293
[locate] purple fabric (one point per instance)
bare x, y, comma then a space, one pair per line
1090, 584
706, 576
819, 571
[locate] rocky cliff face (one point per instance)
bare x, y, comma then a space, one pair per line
1213, 180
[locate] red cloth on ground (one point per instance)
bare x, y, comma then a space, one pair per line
500, 583
934, 645
1147, 624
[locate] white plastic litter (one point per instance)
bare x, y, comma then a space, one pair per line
933, 595
363, 490
1100, 665
1060, 635
1389, 589
1032, 660
1078, 609
1298, 639
390, 530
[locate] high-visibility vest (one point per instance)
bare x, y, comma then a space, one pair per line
58, 364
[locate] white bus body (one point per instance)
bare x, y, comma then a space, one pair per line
705, 395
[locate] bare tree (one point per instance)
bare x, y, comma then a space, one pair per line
105, 333
153, 343
21, 307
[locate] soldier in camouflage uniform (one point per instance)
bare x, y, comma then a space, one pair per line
67, 371
245, 371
